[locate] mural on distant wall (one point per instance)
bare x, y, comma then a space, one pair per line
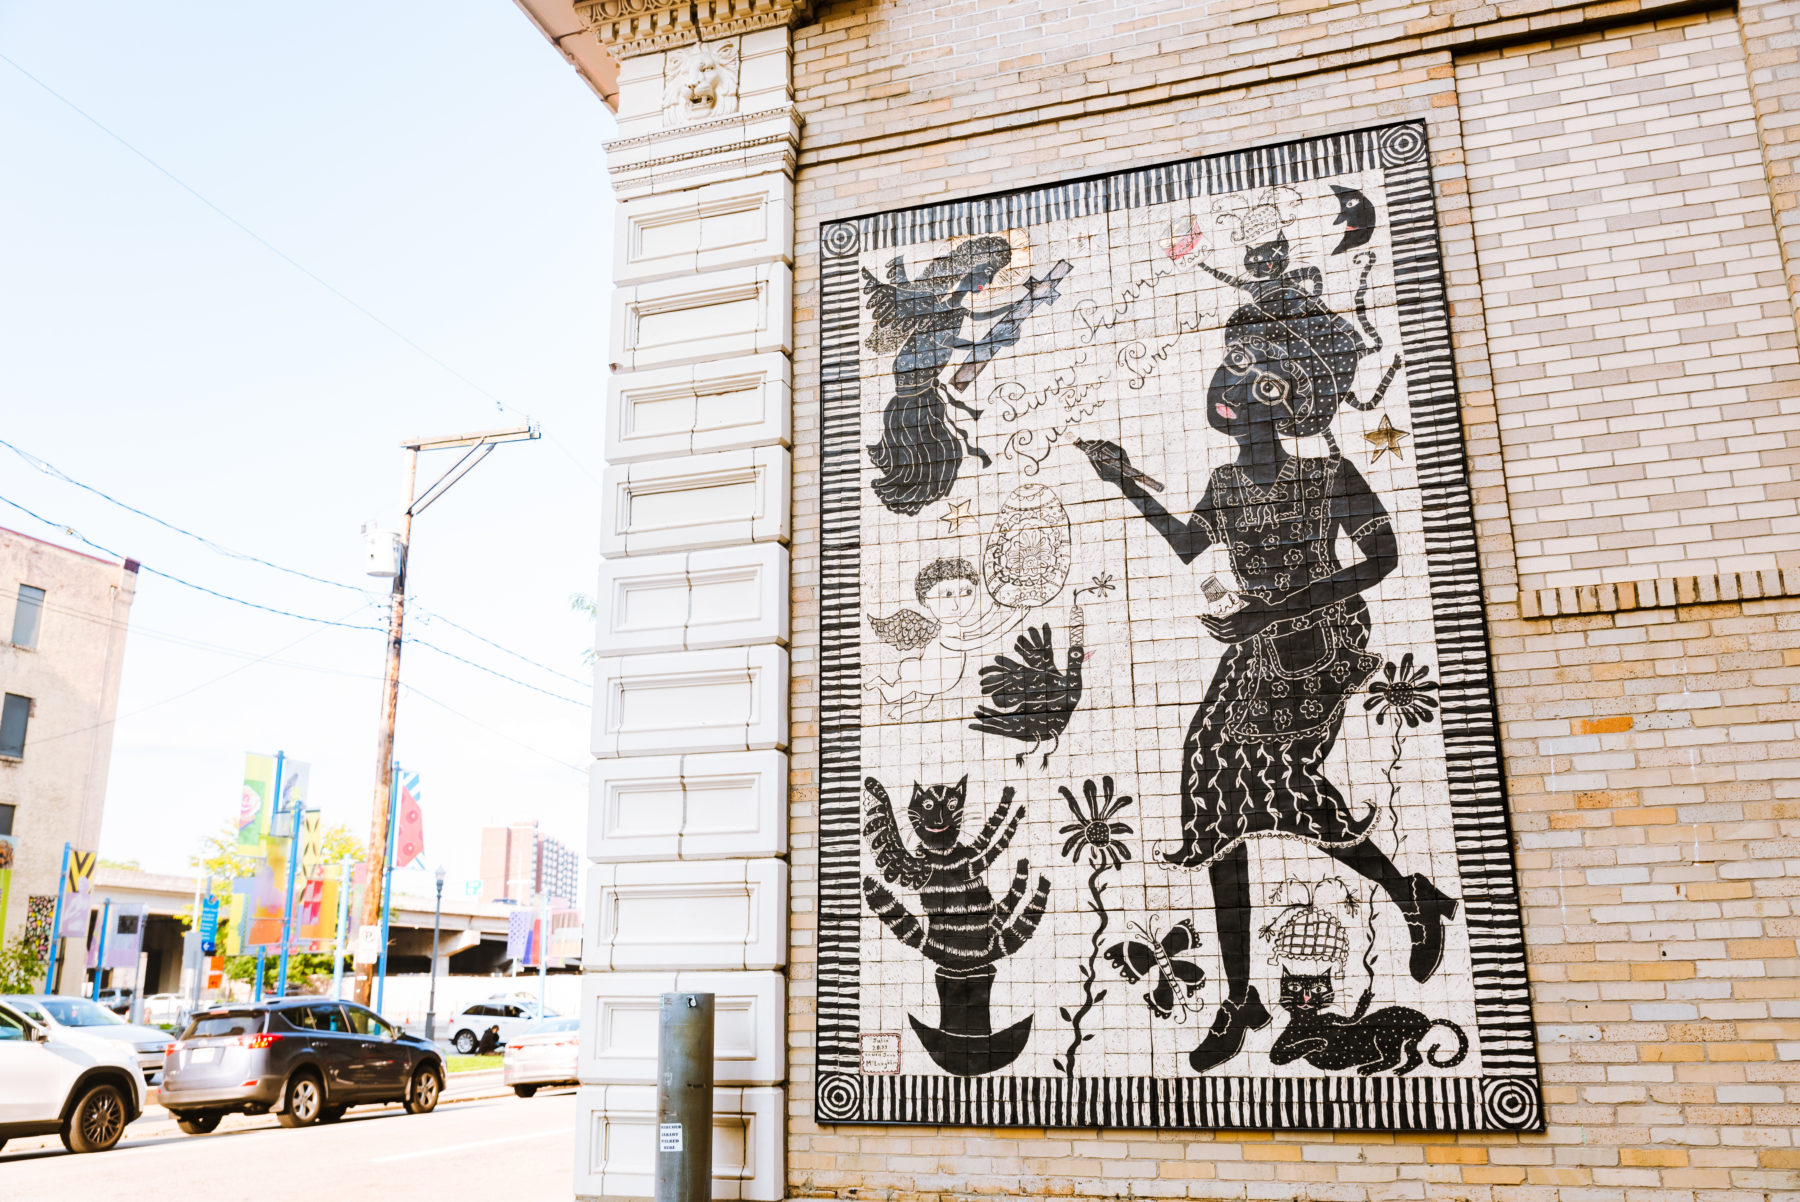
1147, 541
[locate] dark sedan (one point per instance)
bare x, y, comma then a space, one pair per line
306, 1059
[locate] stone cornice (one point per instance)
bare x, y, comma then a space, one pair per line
634, 27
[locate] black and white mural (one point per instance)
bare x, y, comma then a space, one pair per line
1160, 780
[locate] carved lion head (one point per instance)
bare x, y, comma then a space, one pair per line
701, 81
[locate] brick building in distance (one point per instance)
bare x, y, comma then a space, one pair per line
1201, 601
518, 863
64, 615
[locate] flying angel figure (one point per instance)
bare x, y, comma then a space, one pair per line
920, 321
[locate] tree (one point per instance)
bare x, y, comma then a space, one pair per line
21, 968
581, 603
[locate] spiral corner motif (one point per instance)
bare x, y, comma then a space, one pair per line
841, 238
1511, 1103
840, 1097
1402, 144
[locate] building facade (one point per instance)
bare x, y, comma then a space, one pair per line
518, 863
65, 614
1297, 504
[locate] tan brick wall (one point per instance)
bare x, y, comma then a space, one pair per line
1644, 357
1652, 754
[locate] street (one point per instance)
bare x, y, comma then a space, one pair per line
483, 1147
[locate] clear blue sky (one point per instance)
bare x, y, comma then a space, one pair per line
440, 164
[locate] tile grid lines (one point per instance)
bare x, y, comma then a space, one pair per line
1483, 837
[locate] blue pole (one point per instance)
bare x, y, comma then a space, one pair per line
100, 958
387, 885
269, 831
287, 913
261, 959
56, 923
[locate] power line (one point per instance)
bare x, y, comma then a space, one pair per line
492, 671
50, 469
429, 617
424, 696
199, 588
190, 692
260, 240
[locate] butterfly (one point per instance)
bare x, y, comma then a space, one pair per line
1177, 978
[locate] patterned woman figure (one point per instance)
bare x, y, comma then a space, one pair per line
1253, 763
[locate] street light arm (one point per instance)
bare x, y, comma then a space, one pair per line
458, 470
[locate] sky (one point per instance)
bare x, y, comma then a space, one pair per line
439, 165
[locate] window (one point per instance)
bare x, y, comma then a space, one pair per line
26, 615
11, 1026
365, 1022
216, 1024
323, 1017
6, 819
14, 717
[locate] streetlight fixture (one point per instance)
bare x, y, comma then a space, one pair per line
436, 917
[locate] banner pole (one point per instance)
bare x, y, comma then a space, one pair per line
62, 882
343, 920
100, 956
387, 887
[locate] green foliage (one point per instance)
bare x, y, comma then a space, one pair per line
581, 603
302, 966
127, 865
472, 1064
21, 968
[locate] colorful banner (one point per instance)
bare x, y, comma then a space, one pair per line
296, 775
312, 846
40, 912
8, 853
253, 803
81, 871
75, 907
125, 941
409, 839
521, 929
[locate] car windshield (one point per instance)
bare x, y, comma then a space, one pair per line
80, 1012
212, 1026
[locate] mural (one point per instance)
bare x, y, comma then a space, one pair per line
1147, 527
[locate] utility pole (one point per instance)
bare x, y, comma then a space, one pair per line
478, 446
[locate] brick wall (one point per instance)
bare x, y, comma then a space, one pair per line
1651, 751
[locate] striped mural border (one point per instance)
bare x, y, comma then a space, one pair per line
1509, 1096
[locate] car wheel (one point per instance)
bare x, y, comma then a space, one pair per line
332, 1114
305, 1099
464, 1042
97, 1121
525, 1091
199, 1124
422, 1097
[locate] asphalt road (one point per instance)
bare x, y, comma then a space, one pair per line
477, 1148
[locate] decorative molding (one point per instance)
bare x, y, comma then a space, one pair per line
630, 28
1667, 592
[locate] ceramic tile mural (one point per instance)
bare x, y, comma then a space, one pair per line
1160, 778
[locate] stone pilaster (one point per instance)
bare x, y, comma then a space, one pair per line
688, 825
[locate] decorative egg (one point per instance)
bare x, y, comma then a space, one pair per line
1025, 561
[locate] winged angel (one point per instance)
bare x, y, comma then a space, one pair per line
920, 321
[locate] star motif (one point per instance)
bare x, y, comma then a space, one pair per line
959, 513
1386, 437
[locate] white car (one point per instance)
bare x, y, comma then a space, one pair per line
91, 1018
545, 1054
62, 1081
511, 1015
166, 1009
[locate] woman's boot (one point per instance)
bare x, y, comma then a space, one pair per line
1426, 915
1230, 1024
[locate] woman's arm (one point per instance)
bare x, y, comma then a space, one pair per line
1187, 539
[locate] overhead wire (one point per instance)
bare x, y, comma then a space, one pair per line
499, 404
50, 469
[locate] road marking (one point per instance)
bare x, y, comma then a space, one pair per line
482, 1143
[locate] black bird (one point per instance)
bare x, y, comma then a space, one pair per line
1033, 699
